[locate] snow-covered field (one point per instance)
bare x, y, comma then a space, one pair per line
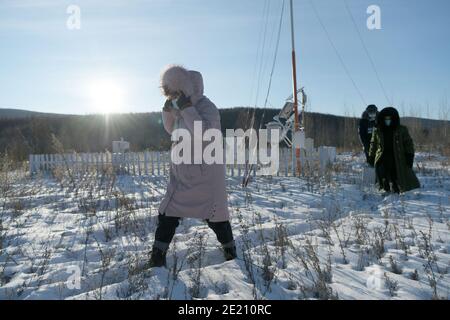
89, 237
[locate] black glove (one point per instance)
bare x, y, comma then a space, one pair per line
409, 160
167, 105
184, 102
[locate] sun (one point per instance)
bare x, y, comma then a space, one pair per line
106, 96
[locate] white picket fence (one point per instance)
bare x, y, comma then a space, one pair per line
158, 163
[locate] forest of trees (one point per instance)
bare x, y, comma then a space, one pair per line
94, 133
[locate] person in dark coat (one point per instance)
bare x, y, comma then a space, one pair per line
367, 123
392, 153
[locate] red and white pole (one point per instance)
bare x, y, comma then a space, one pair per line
294, 80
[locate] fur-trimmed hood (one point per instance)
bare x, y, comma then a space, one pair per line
177, 78
393, 113
190, 82
197, 82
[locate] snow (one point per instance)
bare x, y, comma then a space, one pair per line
311, 238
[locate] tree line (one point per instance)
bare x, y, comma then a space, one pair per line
22, 136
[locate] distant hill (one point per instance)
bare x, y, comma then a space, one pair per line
19, 113
23, 132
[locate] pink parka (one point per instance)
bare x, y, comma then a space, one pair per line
194, 190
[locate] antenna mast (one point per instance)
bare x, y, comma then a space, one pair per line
294, 80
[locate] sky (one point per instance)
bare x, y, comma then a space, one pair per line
113, 62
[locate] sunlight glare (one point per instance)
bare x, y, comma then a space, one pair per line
107, 96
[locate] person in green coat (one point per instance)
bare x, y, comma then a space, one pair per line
392, 154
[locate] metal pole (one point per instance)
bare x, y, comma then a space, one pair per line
294, 80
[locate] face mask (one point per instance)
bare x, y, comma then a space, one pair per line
387, 122
372, 116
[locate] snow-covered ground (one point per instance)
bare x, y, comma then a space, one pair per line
322, 238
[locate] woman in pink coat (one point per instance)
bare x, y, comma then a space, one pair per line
194, 190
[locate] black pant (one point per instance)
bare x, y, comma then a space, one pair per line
167, 226
387, 173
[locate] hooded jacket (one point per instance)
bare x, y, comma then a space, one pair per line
194, 190
402, 148
365, 129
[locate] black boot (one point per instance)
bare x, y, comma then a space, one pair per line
230, 253
158, 258
225, 236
